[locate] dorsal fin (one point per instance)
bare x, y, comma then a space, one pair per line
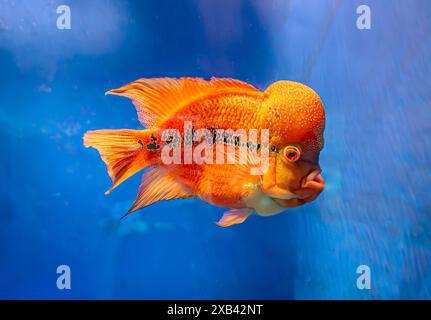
158, 98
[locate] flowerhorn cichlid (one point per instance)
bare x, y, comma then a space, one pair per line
221, 140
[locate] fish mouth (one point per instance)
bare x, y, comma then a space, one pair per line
314, 181
311, 186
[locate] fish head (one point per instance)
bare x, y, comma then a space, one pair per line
296, 121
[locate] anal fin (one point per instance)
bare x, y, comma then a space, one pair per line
234, 216
158, 184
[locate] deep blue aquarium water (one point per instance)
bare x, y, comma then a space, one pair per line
376, 210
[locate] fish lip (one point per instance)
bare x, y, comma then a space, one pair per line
311, 186
312, 175
314, 180
318, 183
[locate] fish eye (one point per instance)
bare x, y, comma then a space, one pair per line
292, 153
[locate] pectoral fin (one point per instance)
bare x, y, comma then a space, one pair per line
234, 216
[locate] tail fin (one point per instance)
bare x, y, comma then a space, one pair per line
125, 152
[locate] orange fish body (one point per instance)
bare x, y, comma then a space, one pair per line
179, 114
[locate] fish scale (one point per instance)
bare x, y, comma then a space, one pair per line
217, 182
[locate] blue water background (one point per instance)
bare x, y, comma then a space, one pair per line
376, 209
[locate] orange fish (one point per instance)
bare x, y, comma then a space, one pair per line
290, 113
